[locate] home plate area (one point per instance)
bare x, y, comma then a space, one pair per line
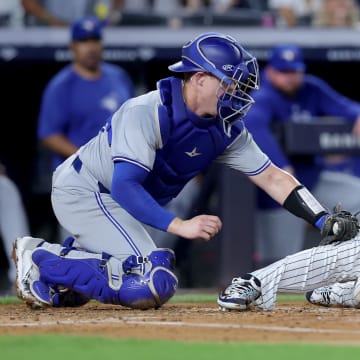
289, 322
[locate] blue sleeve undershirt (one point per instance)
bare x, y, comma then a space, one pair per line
128, 191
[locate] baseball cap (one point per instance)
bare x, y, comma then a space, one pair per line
287, 58
88, 27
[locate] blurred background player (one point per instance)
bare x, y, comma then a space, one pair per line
78, 100
13, 223
288, 94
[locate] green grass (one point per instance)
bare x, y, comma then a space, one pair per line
187, 298
9, 300
199, 297
60, 347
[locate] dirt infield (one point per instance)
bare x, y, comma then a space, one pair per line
290, 322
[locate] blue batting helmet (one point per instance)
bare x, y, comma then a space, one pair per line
223, 57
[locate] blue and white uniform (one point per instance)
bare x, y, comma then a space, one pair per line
144, 155
142, 158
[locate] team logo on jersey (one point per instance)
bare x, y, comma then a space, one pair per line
193, 152
110, 102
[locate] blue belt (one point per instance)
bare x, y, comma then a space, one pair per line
77, 165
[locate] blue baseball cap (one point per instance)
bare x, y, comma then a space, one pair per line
88, 27
287, 58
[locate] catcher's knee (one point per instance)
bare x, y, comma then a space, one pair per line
155, 287
151, 290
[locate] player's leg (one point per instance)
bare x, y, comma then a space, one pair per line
101, 226
62, 275
332, 186
300, 272
308, 270
96, 221
338, 294
13, 219
103, 277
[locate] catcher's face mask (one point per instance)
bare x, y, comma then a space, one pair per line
237, 70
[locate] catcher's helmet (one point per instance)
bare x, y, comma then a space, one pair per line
237, 70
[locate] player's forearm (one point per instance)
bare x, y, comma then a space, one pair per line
276, 182
294, 197
60, 145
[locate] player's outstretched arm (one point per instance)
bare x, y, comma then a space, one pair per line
202, 227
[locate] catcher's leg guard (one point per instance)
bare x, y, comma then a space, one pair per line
80, 271
58, 296
155, 287
90, 275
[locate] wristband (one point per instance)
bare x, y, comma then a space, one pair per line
303, 204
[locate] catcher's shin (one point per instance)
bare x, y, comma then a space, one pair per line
339, 226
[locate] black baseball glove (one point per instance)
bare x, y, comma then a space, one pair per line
339, 226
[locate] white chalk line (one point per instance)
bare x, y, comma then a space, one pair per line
142, 321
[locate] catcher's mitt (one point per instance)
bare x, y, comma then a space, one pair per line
339, 226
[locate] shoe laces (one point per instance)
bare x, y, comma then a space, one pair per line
241, 287
325, 293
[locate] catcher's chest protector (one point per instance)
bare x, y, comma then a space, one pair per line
190, 143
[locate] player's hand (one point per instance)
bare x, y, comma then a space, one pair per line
199, 227
340, 226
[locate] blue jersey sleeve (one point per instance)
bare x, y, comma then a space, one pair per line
128, 191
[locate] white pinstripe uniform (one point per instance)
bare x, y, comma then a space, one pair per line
337, 264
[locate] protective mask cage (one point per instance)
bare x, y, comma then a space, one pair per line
234, 100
